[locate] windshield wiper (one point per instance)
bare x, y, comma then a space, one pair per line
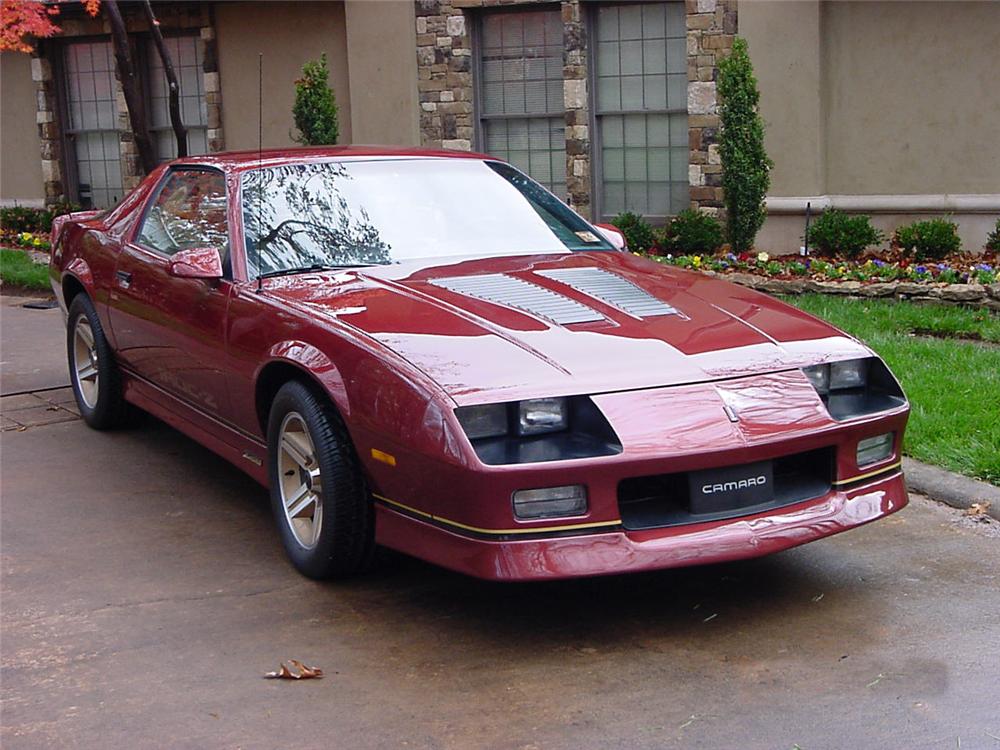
313, 267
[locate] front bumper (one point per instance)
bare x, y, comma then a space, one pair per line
459, 515
593, 552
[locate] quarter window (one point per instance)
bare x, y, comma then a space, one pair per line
640, 73
521, 107
190, 211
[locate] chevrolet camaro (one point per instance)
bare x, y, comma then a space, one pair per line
429, 351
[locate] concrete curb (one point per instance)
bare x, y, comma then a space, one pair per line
953, 489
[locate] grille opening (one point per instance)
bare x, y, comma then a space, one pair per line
666, 499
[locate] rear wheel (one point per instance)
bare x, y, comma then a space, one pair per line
93, 371
318, 493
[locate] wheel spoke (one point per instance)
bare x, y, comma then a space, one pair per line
297, 510
295, 445
87, 372
84, 332
315, 481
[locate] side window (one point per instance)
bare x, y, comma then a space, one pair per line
190, 211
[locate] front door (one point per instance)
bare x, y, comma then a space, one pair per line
172, 331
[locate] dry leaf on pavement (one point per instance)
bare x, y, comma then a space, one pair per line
303, 672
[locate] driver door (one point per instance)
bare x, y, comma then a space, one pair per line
171, 331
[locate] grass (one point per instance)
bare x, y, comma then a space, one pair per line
953, 384
18, 269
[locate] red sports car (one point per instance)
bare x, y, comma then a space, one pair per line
429, 351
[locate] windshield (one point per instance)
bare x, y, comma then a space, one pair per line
384, 211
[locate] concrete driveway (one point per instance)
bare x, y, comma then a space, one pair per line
144, 594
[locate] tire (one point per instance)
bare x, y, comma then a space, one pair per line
329, 532
93, 372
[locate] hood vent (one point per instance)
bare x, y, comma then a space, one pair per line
611, 289
522, 295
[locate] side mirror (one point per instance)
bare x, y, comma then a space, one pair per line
196, 263
612, 235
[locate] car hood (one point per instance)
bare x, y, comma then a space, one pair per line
503, 328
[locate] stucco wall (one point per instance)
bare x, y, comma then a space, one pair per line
785, 47
288, 34
878, 97
878, 100
20, 161
911, 97
382, 65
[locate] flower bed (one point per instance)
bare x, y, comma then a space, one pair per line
27, 240
958, 279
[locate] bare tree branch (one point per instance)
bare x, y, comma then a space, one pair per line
180, 133
130, 86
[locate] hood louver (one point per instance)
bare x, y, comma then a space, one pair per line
522, 295
612, 290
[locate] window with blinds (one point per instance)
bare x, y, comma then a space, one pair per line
520, 93
640, 74
186, 54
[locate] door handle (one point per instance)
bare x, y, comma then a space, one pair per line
124, 278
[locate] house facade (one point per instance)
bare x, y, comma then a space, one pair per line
876, 107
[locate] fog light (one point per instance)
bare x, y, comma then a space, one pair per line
874, 449
550, 502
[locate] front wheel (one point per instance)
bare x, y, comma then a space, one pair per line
318, 493
93, 371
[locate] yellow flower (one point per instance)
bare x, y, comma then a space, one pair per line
25, 235
697, 260
763, 257
37, 242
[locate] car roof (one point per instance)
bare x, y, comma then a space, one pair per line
238, 160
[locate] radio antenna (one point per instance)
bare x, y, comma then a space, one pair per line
260, 163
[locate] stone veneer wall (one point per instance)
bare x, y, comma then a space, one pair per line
179, 16
445, 87
711, 27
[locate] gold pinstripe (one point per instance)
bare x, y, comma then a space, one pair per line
497, 532
859, 477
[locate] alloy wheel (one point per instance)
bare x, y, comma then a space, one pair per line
299, 480
85, 369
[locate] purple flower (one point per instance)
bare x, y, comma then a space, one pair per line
879, 263
921, 269
942, 266
984, 267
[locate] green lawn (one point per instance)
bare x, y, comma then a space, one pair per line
953, 384
18, 269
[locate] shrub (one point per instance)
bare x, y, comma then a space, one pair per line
692, 231
639, 236
745, 166
928, 240
835, 232
315, 108
993, 239
17, 219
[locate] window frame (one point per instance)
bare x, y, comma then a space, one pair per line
226, 257
594, 118
56, 54
478, 113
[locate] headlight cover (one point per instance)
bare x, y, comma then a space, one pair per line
855, 387
539, 429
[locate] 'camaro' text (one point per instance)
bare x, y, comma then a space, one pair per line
708, 489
